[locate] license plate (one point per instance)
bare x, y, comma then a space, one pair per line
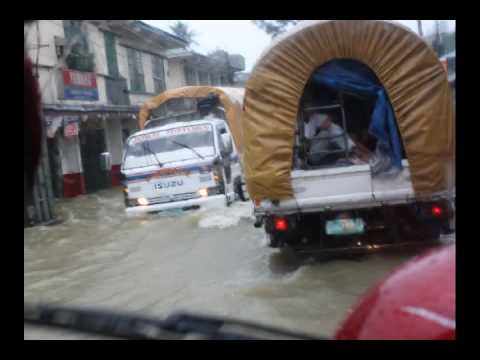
345, 227
168, 184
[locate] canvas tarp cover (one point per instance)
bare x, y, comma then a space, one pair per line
409, 70
231, 99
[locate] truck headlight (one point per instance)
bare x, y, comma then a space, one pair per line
203, 192
142, 201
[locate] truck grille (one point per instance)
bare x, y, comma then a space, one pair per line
177, 197
186, 196
159, 200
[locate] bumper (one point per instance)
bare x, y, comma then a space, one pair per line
370, 248
210, 201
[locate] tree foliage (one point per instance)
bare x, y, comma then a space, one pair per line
275, 27
219, 55
181, 30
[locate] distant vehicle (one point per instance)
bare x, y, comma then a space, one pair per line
181, 165
384, 164
184, 164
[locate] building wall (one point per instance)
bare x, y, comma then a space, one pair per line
74, 183
50, 65
113, 133
48, 30
175, 74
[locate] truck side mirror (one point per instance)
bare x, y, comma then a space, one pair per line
105, 161
227, 143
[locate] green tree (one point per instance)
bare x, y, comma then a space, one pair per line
181, 30
219, 55
222, 57
275, 27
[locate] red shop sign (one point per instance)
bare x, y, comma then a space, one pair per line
79, 79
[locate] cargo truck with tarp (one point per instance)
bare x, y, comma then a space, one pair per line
184, 156
348, 137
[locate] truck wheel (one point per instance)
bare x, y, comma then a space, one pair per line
422, 232
273, 241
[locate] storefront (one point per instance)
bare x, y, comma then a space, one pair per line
77, 135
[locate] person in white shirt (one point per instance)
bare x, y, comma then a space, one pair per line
322, 133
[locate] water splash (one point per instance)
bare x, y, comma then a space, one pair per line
225, 217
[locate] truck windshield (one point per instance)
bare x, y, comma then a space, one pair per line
169, 146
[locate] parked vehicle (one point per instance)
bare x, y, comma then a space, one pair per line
183, 164
316, 192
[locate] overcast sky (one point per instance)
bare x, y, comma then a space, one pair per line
243, 37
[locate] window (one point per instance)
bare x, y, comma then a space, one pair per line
111, 53
135, 69
182, 143
79, 58
190, 76
158, 74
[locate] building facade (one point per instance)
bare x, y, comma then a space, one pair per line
94, 75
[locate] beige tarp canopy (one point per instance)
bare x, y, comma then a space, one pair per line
408, 68
231, 99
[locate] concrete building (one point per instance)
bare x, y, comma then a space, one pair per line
94, 75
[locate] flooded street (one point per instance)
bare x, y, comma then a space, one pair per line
211, 262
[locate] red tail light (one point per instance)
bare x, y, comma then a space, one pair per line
437, 211
281, 224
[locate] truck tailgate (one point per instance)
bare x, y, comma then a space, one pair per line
393, 188
342, 188
321, 189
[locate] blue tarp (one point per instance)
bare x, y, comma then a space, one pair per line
354, 77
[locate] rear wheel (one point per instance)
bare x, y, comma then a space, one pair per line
419, 231
273, 241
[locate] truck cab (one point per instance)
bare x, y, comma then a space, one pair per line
182, 165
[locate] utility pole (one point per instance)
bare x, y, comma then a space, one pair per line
420, 30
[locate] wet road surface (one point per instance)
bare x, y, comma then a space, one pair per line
211, 262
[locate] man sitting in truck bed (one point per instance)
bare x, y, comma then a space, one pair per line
328, 143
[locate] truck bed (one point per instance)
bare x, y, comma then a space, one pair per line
340, 188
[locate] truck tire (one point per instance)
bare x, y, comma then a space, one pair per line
422, 232
273, 241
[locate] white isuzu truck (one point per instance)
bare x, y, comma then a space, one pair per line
183, 164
